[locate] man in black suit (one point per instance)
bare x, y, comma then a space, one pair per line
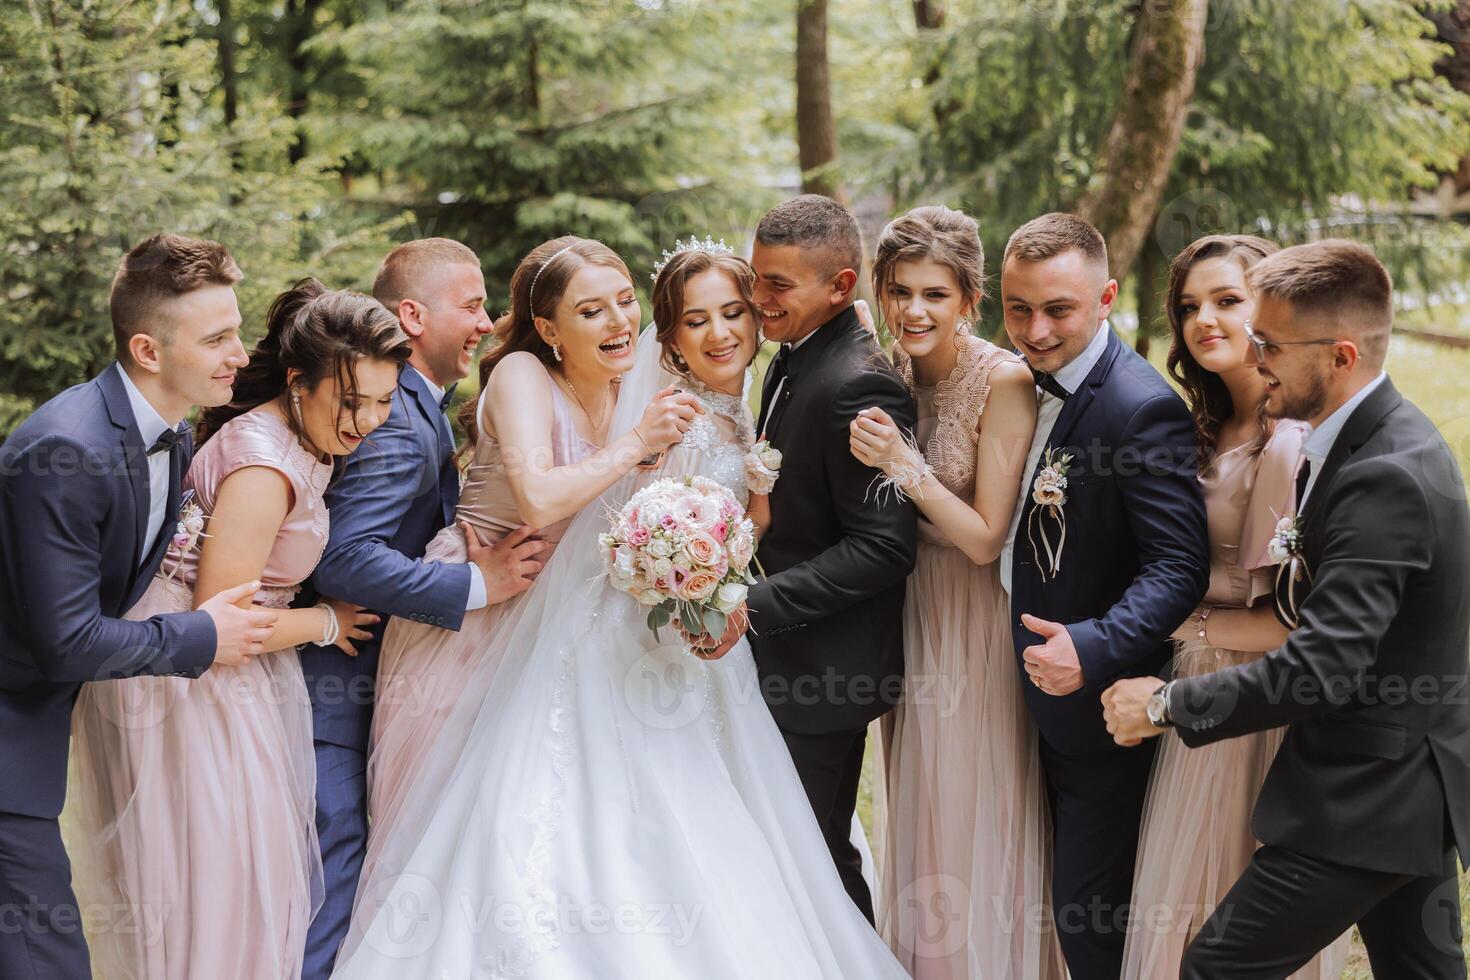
827, 621
1369, 796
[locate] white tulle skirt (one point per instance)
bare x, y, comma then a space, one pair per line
620, 809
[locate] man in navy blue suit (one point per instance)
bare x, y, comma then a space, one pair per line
1101, 568
395, 493
89, 493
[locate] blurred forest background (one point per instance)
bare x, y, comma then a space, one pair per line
311, 135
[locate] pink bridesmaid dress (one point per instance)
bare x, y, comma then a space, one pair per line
191, 801
1196, 838
963, 846
421, 667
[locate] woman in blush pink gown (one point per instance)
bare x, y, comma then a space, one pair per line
537, 435
191, 802
963, 850
1196, 838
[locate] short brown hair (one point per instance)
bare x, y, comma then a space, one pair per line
946, 236
1337, 279
668, 291
154, 272
1053, 234
818, 223
403, 271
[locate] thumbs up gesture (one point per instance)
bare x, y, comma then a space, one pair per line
1052, 664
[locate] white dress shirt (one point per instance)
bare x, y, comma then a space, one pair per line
1319, 444
1048, 407
479, 597
150, 426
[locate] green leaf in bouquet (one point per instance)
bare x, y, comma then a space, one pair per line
714, 621
658, 617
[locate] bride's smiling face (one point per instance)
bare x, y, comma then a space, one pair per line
716, 334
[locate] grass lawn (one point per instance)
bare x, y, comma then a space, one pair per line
1433, 377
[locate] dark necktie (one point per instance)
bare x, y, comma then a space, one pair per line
165, 442
448, 397
1303, 475
1049, 384
775, 375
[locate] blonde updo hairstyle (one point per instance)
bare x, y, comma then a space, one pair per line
939, 234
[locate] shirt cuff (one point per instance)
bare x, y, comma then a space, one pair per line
478, 598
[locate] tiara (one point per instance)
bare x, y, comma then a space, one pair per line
693, 245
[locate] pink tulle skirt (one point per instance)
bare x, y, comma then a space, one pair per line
964, 843
421, 674
191, 817
1196, 838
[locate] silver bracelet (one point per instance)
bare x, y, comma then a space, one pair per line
332, 630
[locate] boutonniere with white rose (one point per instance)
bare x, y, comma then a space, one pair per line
188, 529
762, 467
1049, 493
1285, 552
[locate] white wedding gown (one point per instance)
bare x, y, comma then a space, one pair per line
601, 804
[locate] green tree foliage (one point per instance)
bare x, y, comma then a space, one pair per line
110, 131
507, 122
1301, 108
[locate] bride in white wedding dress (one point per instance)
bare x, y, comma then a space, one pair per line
600, 803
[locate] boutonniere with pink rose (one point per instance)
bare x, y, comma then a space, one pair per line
188, 529
1285, 552
1049, 493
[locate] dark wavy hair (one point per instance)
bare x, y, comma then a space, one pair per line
1206, 394
319, 332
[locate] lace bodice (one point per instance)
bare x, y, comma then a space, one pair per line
723, 434
949, 412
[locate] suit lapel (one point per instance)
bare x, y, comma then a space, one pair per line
835, 331
410, 380
134, 456
1359, 426
1293, 582
177, 464
1075, 407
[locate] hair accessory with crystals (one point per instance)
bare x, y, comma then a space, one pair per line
694, 244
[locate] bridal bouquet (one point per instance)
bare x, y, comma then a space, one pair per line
683, 547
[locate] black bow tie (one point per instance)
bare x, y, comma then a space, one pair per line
1049, 384
165, 442
448, 397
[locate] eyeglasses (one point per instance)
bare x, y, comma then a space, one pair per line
1261, 347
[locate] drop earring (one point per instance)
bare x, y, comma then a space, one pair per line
556, 352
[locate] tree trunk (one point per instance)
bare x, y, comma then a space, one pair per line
1149, 286
929, 14
302, 26
1168, 45
816, 130
1452, 26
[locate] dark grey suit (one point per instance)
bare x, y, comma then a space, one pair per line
1369, 796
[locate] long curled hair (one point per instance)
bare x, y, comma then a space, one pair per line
1205, 392
549, 267
319, 332
668, 294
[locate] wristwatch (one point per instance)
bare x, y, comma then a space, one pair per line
1158, 707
